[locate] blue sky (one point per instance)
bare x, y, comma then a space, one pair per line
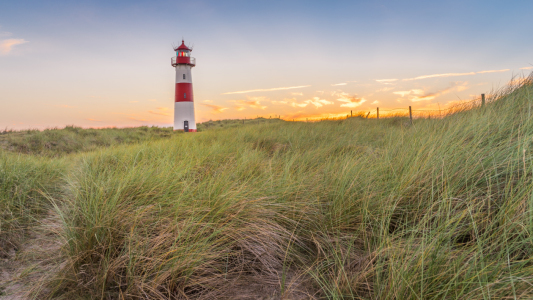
101, 63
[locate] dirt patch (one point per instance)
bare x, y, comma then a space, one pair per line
25, 268
292, 286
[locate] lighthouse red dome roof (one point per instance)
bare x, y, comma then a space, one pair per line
182, 47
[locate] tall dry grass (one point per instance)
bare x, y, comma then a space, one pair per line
342, 209
25, 183
339, 209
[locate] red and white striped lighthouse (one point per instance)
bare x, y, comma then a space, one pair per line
183, 99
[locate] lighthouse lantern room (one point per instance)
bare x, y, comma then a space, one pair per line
183, 99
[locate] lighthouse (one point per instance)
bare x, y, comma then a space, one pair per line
183, 99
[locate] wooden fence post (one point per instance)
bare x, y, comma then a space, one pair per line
378, 113
351, 113
410, 115
482, 100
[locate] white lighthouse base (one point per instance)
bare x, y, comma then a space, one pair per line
184, 116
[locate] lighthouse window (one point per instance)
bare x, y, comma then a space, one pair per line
184, 95
183, 76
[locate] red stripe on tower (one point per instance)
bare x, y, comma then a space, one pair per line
183, 92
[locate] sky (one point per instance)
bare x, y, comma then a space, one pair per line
107, 63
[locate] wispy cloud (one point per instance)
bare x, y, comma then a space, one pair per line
441, 75
338, 84
267, 90
350, 101
93, 120
252, 102
292, 102
409, 92
492, 71
208, 101
526, 68
386, 80
375, 102
455, 86
454, 74
297, 94
386, 89
163, 111
216, 109
317, 102
6, 46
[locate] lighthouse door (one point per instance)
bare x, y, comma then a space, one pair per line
186, 126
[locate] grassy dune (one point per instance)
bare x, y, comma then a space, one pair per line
345, 209
56, 142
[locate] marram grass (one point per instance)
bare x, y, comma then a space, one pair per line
341, 209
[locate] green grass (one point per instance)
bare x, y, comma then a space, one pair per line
58, 142
341, 209
24, 183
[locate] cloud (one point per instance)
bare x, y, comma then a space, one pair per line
375, 102
208, 101
93, 120
216, 109
455, 74
441, 75
526, 68
252, 102
455, 86
386, 80
317, 102
337, 84
350, 101
386, 89
6, 46
492, 71
292, 102
267, 90
163, 111
297, 94
405, 93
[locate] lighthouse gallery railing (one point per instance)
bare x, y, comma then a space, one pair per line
173, 61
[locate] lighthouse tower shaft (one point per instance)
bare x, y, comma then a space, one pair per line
183, 100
